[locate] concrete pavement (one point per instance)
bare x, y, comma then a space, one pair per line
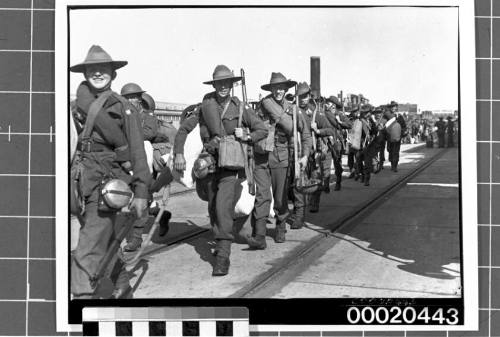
184, 270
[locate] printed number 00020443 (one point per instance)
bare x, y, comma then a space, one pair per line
396, 315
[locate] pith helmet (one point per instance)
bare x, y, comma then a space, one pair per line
97, 55
130, 89
303, 88
148, 101
393, 103
278, 78
222, 73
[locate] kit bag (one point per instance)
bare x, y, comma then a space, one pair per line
394, 132
231, 151
355, 134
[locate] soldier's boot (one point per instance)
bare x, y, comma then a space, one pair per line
394, 167
298, 222
326, 185
367, 179
134, 241
133, 244
338, 182
352, 174
122, 286
221, 265
164, 223
257, 241
314, 202
280, 236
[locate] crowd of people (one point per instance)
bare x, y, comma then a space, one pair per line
430, 129
284, 148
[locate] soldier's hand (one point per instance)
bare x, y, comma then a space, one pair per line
238, 133
303, 161
126, 165
179, 162
139, 205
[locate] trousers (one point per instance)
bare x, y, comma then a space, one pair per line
223, 189
393, 149
326, 163
266, 178
94, 238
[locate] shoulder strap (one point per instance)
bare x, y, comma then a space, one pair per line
94, 109
223, 130
240, 117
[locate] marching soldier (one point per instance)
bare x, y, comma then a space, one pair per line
116, 130
441, 131
394, 145
190, 118
273, 161
322, 130
370, 144
393, 131
133, 93
221, 115
340, 122
450, 129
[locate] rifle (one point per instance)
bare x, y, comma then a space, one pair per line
249, 162
295, 136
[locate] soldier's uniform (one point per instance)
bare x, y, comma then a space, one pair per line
441, 131
98, 160
340, 122
190, 118
272, 169
370, 141
325, 131
450, 129
225, 181
393, 147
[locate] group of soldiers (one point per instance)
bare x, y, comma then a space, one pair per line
284, 149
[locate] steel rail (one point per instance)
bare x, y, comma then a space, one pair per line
311, 250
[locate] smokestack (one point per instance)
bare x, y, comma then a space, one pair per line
315, 76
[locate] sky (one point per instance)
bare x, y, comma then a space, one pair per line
404, 54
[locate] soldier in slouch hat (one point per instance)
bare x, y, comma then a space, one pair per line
322, 129
273, 161
340, 123
220, 114
114, 149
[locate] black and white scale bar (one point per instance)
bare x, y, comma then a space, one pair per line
167, 321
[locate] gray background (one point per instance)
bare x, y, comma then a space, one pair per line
27, 222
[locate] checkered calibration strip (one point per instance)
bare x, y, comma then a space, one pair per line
165, 321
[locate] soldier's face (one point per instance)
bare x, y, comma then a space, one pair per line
279, 91
99, 75
135, 100
223, 88
304, 99
330, 106
394, 109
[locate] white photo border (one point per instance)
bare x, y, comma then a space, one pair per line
467, 104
